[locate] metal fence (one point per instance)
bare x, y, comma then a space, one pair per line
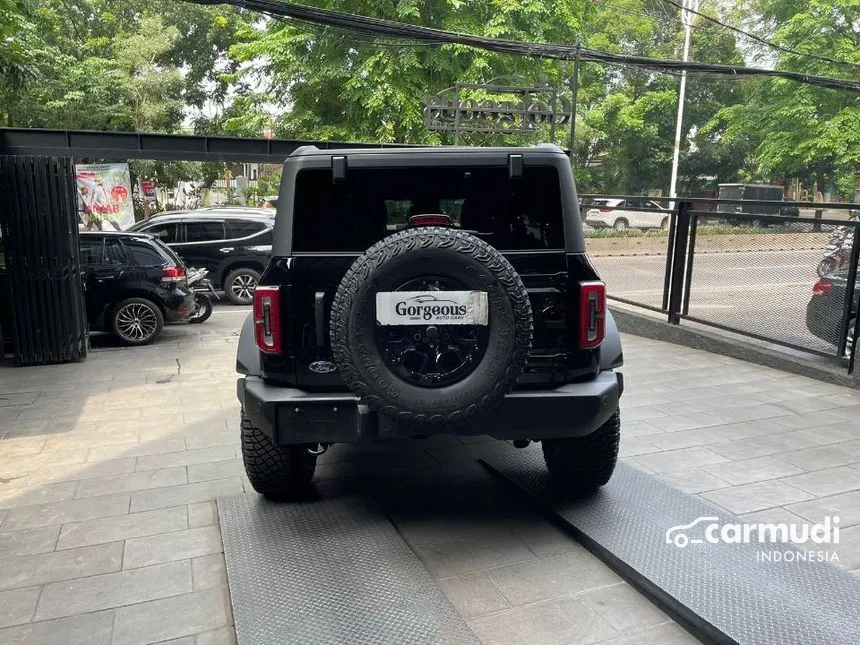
40, 260
766, 269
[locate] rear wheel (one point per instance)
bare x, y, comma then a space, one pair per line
276, 472
136, 321
239, 286
621, 224
202, 309
579, 465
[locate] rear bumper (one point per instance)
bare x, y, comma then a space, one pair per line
291, 416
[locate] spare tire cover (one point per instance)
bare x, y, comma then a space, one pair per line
395, 335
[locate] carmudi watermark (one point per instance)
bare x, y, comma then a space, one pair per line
800, 542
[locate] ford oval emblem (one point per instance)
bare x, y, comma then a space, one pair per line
322, 367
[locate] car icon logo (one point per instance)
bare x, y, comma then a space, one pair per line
677, 534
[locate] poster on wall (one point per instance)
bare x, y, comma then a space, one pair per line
147, 191
104, 196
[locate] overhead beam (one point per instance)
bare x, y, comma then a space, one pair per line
82, 144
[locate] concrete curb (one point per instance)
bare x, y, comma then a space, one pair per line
688, 334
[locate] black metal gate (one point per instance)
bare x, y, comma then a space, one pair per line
43, 292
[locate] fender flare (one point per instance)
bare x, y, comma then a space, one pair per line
611, 355
247, 354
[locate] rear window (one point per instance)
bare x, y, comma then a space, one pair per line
167, 253
145, 255
510, 214
204, 231
238, 228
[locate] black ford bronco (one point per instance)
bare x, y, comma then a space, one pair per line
430, 290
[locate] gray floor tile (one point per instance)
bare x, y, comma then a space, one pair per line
562, 620
687, 421
830, 481
679, 460
89, 471
182, 495
17, 605
448, 559
88, 629
185, 458
211, 439
848, 549
762, 446
551, 577
132, 482
623, 607
29, 541
685, 439
224, 470
84, 595
747, 429
222, 636
755, 497
168, 547
209, 572
633, 446
161, 620
202, 514
666, 634
821, 457
44, 494
775, 515
845, 505
473, 595
694, 481
63, 512
749, 471
122, 527
543, 538
29, 570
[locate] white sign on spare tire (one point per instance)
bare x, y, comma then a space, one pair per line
431, 308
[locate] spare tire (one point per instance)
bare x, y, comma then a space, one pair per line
420, 365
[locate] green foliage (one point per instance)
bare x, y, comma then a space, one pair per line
262, 188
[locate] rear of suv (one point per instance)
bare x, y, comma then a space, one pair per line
232, 243
421, 291
133, 284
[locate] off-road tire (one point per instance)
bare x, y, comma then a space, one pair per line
353, 322
278, 473
229, 292
580, 465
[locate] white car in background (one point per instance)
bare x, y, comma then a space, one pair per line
617, 214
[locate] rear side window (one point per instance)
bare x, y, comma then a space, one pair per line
243, 228
167, 253
510, 214
114, 252
145, 255
91, 250
206, 231
166, 232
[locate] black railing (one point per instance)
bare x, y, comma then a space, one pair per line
756, 270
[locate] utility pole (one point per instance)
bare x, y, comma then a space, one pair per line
574, 90
687, 19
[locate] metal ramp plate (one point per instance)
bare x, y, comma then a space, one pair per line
332, 571
720, 592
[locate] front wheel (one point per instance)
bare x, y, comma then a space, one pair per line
202, 309
579, 465
277, 472
136, 321
239, 286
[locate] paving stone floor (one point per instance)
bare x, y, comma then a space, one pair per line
109, 471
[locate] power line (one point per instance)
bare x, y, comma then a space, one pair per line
401, 31
762, 41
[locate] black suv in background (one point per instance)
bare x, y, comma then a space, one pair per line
133, 284
414, 292
233, 243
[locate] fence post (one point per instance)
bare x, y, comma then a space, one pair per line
679, 257
849, 294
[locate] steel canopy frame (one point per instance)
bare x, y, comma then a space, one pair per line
81, 144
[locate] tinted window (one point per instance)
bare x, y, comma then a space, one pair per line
168, 254
166, 231
114, 252
243, 228
145, 255
349, 217
91, 250
204, 231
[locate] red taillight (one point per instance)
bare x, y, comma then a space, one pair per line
605, 210
173, 274
429, 220
821, 287
267, 319
592, 314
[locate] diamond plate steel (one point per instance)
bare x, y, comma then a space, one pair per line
722, 591
332, 571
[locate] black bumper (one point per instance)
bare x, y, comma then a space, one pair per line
290, 416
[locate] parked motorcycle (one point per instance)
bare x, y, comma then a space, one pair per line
203, 293
837, 253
